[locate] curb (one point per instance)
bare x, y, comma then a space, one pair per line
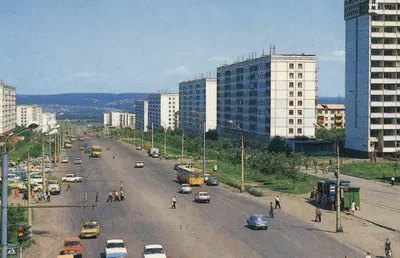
375, 223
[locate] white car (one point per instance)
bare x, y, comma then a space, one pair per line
115, 248
34, 187
53, 187
185, 188
206, 177
139, 164
202, 197
77, 161
153, 251
71, 178
65, 159
36, 178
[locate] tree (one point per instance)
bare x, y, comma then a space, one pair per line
212, 135
322, 133
277, 145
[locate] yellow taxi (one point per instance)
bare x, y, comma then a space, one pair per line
90, 229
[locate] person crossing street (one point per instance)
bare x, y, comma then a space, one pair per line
271, 210
69, 187
173, 202
110, 196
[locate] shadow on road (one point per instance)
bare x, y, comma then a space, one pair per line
306, 228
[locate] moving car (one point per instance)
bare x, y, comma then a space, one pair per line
153, 251
138, 147
257, 221
73, 246
202, 197
115, 246
184, 188
139, 164
81, 147
65, 159
212, 181
71, 178
78, 161
90, 229
206, 177
53, 187
153, 151
36, 178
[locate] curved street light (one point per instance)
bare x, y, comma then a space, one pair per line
242, 150
204, 139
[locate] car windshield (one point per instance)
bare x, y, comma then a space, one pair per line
261, 218
96, 149
72, 243
53, 182
185, 185
115, 245
154, 251
89, 226
204, 194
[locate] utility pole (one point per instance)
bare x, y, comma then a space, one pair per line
50, 153
183, 140
29, 191
142, 138
4, 202
152, 136
43, 165
134, 136
204, 145
165, 143
242, 147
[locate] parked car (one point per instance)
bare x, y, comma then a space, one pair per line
156, 251
78, 161
115, 246
36, 178
71, 178
206, 177
202, 197
185, 188
139, 147
257, 221
212, 181
65, 159
155, 155
139, 164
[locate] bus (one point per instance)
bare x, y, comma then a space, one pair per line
95, 151
189, 175
67, 144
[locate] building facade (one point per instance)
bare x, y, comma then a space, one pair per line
7, 108
198, 101
141, 111
119, 119
47, 121
269, 96
28, 114
331, 116
161, 110
372, 76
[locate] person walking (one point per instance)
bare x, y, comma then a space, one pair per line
69, 187
113, 196
271, 210
122, 196
392, 180
97, 198
85, 196
277, 202
48, 196
368, 255
116, 196
44, 196
318, 215
388, 248
110, 196
353, 206
173, 202
121, 185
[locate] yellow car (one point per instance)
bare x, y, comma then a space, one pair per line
90, 229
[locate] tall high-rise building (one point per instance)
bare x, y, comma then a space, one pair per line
272, 95
141, 111
372, 76
7, 108
198, 101
161, 110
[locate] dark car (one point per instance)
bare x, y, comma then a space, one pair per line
212, 181
258, 221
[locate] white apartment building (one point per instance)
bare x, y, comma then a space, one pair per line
119, 119
331, 116
161, 110
28, 114
198, 100
7, 108
141, 111
372, 76
47, 121
273, 95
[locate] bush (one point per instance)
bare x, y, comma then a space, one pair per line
252, 191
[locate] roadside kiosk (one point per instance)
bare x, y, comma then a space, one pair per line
350, 193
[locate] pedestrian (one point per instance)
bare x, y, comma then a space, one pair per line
16, 192
110, 196
114, 192
48, 196
45, 196
33, 195
97, 198
271, 210
121, 185
85, 196
392, 180
374, 158
173, 202
353, 206
116, 196
122, 196
318, 215
312, 196
69, 187
277, 202
387, 246
368, 256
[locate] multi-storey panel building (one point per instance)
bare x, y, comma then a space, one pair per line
7, 108
269, 96
119, 119
372, 76
198, 101
141, 111
331, 116
161, 110
28, 114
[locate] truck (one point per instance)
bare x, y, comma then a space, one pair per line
67, 144
154, 152
95, 151
71, 178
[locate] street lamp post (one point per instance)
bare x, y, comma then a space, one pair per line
165, 139
339, 227
204, 140
242, 150
4, 197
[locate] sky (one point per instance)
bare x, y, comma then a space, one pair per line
58, 46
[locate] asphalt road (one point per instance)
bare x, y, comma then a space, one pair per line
216, 229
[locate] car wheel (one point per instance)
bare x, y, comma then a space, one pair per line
190, 192
76, 181
265, 228
208, 201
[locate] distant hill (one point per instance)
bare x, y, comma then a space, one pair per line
123, 101
330, 100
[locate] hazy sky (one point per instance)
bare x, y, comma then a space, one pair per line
120, 46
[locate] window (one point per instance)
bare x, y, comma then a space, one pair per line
291, 66
299, 103
291, 112
299, 131
291, 103
300, 66
300, 112
290, 130
291, 75
299, 121
300, 94
300, 75
291, 94
291, 84
299, 85
290, 121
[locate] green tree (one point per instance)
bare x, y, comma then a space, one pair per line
277, 145
322, 133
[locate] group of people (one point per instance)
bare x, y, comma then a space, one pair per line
45, 196
115, 196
